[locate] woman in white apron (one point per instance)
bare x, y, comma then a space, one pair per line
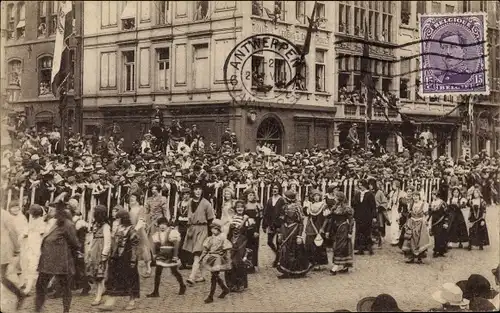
395, 199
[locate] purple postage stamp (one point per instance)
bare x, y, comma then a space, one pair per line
453, 54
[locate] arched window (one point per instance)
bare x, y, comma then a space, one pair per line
44, 75
14, 75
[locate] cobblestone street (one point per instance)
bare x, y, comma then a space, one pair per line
385, 272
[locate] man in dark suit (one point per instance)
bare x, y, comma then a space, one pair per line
365, 215
273, 218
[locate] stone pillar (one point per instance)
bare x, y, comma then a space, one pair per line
435, 151
488, 147
336, 135
399, 144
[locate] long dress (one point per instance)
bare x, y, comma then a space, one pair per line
340, 226
365, 210
438, 216
395, 200
313, 223
254, 213
36, 228
123, 275
236, 278
416, 235
292, 256
457, 230
138, 219
182, 225
478, 232
96, 268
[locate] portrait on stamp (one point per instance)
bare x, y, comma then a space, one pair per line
453, 54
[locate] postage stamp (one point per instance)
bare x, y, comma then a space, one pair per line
264, 68
453, 54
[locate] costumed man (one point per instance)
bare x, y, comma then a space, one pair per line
365, 215
166, 246
200, 216
156, 207
273, 218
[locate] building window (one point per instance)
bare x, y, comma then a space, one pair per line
417, 80
21, 24
386, 76
320, 70
404, 91
11, 23
14, 76
280, 78
200, 67
108, 70
449, 8
201, 10
163, 12
53, 9
109, 11
483, 6
359, 20
128, 16
45, 75
279, 10
258, 70
436, 7
405, 12
129, 70
163, 69
257, 8
378, 111
320, 10
421, 7
350, 110
466, 6
300, 11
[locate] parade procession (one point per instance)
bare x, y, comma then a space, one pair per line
351, 165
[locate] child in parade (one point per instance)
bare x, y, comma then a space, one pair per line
216, 257
166, 250
181, 219
98, 254
236, 278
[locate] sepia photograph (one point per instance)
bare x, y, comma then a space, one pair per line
250, 156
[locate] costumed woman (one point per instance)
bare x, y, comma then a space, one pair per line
397, 204
457, 230
292, 258
181, 216
253, 210
478, 232
227, 210
339, 227
36, 229
313, 230
98, 254
216, 258
382, 216
236, 278
139, 219
416, 235
438, 217
123, 276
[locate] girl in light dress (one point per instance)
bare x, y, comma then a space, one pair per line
416, 235
36, 229
21, 226
227, 210
138, 218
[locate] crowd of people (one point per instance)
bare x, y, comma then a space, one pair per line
90, 215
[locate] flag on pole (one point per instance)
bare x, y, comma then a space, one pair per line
61, 49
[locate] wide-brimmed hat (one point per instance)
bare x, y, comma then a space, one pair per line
481, 305
476, 286
315, 192
290, 195
380, 303
450, 293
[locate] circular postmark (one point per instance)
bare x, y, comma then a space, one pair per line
264, 67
